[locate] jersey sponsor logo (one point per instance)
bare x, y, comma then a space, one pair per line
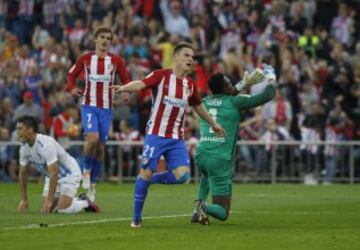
212, 139
214, 102
100, 78
175, 102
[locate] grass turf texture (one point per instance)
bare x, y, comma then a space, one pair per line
263, 217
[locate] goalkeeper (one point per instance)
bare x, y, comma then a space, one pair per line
214, 155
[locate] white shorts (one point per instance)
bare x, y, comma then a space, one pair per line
66, 186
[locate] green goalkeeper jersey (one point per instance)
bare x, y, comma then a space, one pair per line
225, 110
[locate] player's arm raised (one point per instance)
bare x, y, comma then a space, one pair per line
53, 172
24, 204
251, 79
247, 101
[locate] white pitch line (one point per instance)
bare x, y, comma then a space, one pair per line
32, 226
291, 212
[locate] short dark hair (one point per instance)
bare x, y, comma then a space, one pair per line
217, 84
182, 45
29, 122
103, 29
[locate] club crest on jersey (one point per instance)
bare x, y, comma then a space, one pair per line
145, 161
111, 67
187, 91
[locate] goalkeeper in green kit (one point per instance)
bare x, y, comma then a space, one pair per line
215, 155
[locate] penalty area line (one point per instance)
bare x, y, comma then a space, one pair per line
32, 226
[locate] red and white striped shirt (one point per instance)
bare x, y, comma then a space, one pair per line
170, 96
99, 74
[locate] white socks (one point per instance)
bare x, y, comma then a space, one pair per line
75, 207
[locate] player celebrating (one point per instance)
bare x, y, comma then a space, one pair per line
214, 155
172, 92
99, 67
63, 174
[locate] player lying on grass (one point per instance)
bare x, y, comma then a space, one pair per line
215, 155
62, 172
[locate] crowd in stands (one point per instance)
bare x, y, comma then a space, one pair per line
314, 46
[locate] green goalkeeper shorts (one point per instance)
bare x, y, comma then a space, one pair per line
218, 171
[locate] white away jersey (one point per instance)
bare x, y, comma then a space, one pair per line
45, 151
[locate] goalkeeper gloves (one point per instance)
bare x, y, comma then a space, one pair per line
269, 73
250, 79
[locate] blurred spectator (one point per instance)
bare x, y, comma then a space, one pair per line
332, 152
136, 45
273, 133
130, 154
175, 22
251, 129
34, 84
65, 126
279, 110
342, 27
29, 107
309, 133
309, 42
308, 96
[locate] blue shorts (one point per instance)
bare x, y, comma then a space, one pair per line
174, 151
96, 120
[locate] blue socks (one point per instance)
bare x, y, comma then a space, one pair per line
95, 171
140, 192
89, 161
142, 186
93, 165
167, 177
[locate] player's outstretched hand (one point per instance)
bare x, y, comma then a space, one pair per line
23, 206
117, 88
46, 208
218, 129
77, 92
248, 80
269, 73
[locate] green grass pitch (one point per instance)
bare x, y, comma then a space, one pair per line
263, 217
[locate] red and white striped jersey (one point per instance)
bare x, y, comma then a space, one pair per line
170, 96
99, 75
